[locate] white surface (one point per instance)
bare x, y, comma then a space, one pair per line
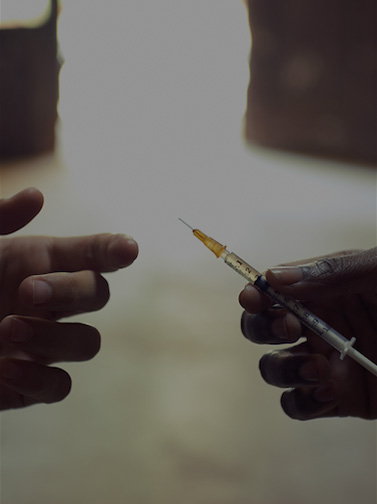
173, 408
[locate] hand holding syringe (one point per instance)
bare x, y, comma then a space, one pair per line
314, 323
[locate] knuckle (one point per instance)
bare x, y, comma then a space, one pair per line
326, 267
324, 270
96, 251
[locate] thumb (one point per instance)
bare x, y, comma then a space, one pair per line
339, 274
19, 210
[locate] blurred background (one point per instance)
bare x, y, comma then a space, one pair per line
158, 119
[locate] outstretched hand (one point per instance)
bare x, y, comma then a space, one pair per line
342, 290
42, 280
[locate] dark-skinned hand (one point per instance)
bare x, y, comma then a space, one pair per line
342, 290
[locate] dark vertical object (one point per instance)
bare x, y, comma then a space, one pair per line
313, 77
29, 89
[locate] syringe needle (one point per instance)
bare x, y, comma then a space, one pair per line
192, 229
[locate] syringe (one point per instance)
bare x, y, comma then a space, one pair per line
314, 323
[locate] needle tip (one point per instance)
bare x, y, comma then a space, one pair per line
186, 223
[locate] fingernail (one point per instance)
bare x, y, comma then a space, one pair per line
42, 292
118, 255
324, 394
11, 371
309, 372
21, 331
286, 275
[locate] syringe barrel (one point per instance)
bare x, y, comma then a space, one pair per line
304, 315
239, 265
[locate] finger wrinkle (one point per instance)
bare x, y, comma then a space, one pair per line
96, 252
284, 369
300, 404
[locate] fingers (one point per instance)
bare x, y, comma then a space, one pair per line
307, 404
285, 368
326, 282
274, 326
23, 383
264, 324
253, 300
331, 276
65, 293
313, 395
48, 341
19, 210
26, 382
102, 252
